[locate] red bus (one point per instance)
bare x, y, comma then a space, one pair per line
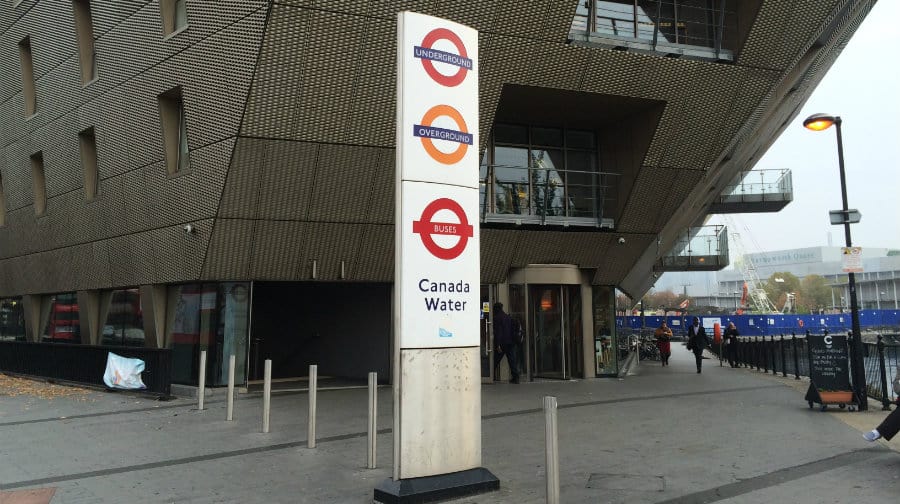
63, 325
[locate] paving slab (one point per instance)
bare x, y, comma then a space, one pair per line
662, 434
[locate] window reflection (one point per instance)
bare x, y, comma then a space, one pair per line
12, 319
212, 317
552, 174
124, 319
62, 324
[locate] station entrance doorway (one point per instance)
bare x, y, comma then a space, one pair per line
555, 320
548, 300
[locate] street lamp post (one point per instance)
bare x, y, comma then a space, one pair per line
820, 122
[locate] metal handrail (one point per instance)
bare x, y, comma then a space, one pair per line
781, 186
546, 192
679, 25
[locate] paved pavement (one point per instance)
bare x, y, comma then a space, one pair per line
660, 435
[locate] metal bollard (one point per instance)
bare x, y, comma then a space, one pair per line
783, 358
885, 401
373, 419
201, 386
311, 424
551, 447
229, 404
796, 355
267, 394
772, 353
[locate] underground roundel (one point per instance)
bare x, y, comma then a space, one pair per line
428, 55
426, 228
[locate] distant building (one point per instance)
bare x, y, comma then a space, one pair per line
876, 286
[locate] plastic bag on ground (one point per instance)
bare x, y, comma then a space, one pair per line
123, 373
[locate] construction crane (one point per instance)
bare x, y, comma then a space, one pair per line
757, 298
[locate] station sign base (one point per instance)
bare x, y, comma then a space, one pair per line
436, 488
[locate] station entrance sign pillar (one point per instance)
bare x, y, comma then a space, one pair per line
436, 361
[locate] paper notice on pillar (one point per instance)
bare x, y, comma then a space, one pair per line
851, 259
439, 301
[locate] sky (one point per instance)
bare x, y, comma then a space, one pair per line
862, 88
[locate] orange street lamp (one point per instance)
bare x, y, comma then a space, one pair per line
820, 122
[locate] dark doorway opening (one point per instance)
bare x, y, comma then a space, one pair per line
345, 329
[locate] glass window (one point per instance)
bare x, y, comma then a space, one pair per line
39, 184
174, 15
578, 139
28, 90
174, 128
535, 179
2, 203
585, 197
63, 325
605, 343
510, 134
88, 146
511, 184
84, 32
12, 319
549, 186
124, 319
212, 317
549, 137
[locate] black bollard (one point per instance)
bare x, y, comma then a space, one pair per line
796, 356
772, 353
765, 355
783, 361
885, 403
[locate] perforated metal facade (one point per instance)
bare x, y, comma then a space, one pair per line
290, 117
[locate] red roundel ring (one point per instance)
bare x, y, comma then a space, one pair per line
425, 228
429, 40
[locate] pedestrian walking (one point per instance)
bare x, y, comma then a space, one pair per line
505, 341
731, 334
891, 424
663, 340
697, 342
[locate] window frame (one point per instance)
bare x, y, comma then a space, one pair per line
39, 183
170, 12
173, 120
29, 86
87, 146
84, 35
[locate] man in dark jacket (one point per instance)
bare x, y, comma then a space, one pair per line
731, 343
505, 341
697, 341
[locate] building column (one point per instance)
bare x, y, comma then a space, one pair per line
589, 353
90, 318
36, 310
153, 307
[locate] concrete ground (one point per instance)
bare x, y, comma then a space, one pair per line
663, 434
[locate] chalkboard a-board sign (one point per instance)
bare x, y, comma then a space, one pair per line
829, 371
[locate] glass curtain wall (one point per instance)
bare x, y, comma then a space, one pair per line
12, 320
213, 317
124, 324
62, 324
543, 175
605, 342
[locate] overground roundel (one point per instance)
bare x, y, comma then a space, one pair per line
426, 228
429, 56
429, 133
